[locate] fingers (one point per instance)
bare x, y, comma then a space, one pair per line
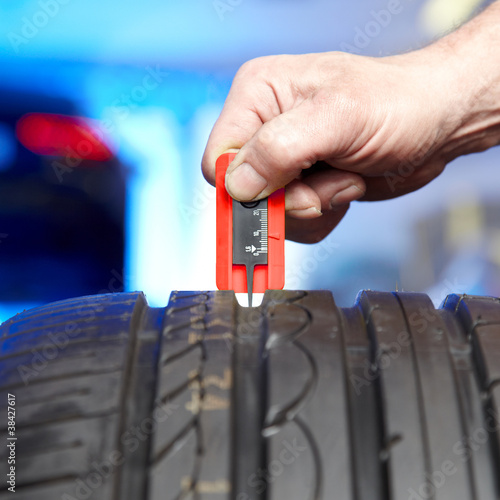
330, 191
278, 152
323, 190
250, 102
312, 231
226, 137
301, 201
391, 185
271, 154
278, 129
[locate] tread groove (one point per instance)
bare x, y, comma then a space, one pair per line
370, 479
197, 378
43, 482
382, 419
133, 481
183, 352
318, 468
276, 418
139, 310
421, 401
54, 447
67, 418
69, 344
451, 322
60, 377
55, 397
249, 401
180, 437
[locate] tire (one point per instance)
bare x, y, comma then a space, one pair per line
296, 399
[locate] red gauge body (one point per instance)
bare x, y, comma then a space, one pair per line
231, 276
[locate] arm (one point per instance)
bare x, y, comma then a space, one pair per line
337, 127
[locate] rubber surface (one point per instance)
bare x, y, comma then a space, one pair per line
295, 399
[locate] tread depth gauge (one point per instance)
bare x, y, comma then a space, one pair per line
250, 239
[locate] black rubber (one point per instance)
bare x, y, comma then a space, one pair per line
295, 399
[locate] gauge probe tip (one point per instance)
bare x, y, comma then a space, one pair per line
250, 238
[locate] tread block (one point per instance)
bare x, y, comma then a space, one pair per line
448, 476
190, 448
62, 448
72, 311
71, 397
43, 365
366, 434
486, 345
404, 441
309, 449
67, 363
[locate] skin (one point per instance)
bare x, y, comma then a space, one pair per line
335, 127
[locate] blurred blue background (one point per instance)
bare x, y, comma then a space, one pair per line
153, 76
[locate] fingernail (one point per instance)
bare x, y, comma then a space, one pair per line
244, 183
346, 195
305, 213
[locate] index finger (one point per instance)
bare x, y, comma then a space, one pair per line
249, 104
234, 127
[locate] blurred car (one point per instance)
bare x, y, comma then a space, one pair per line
62, 202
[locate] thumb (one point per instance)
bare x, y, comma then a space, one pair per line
278, 152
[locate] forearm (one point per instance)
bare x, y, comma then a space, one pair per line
387, 126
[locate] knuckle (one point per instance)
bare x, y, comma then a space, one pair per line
270, 140
251, 69
266, 138
277, 155
339, 99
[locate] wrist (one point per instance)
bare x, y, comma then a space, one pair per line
470, 68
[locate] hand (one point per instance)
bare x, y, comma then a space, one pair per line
334, 128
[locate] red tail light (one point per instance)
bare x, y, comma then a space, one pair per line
60, 135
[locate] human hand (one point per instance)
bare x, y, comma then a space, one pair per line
334, 128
